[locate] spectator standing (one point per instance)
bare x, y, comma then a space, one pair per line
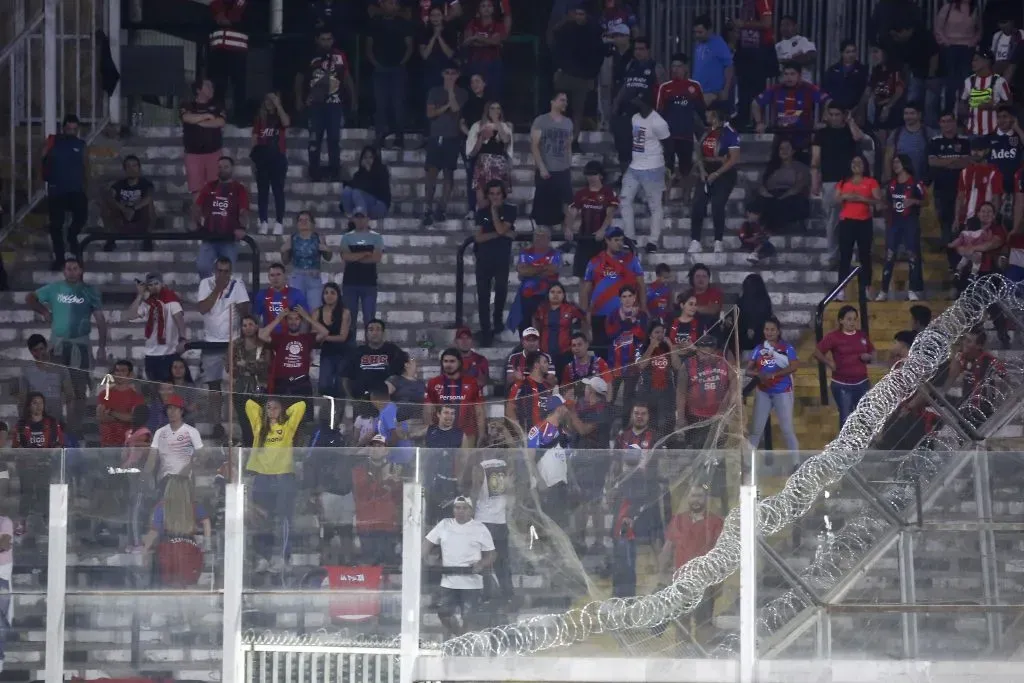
794, 48
627, 333
857, 194
492, 482
474, 365
389, 48
709, 298
495, 227
583, 363
578, 54
646, 171
293, 351
6, 577
66, 172
716, 160
790, 107
377, 486
128, 208
304, 251
489, 147
361, 250
591, 430
474, 110
557, 320
1005, 42
551, 148
277, 297
980, 182
660, 299
202, 127
619, 54
658, 365
904, 196
640, 77
691, 534
773, 363
373, 362
35, 429
175, 522
482, 40
948, 153
438, 43
335, 347
407, 391
680, 101
537, 268
755, 51
49, 379
452, 388
1007, 149
221, 214
523, 405
467, 544
71, 307
223, 301
228, 56
270, 160
713, 69
785, 189
913, 47
250, 366
175, 443
886, 88
327, 72
689, 326
910, 139
832, 150
983, 92
516, 366
606, 274
370, 186
704, 388
755, 306
846, 80
958, 33
593, 207
444, 141
114, 406
165, 329
850, 351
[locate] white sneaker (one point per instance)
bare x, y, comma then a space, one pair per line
277, 565
882, 296
264, 228
278, 228
913, 296
695, 247
841, 296
262, 566
752, 257
718, 247
470, 215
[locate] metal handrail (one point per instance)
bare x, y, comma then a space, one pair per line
460, 274
95, 236
21, 37
819, 324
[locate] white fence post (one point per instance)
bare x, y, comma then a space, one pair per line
748, 583
56, 582
234, 558
412, 577
50, 67
114, 34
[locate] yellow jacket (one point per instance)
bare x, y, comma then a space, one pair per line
274, 455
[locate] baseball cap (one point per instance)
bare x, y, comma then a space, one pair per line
176, 401
463, 332
359, 211
985, 52
466, 500
530, 332
553, 403
379, 438
597, 384
614, 231
593, 168
619, 29
154, 277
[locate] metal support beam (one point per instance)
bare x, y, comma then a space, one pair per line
56, 582
114, 34
824, 635
788, 573
908, 594
50, 67
412, 576
987, 546
232, 666
871, 495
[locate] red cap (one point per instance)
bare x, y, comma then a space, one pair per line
463, 332
176, 401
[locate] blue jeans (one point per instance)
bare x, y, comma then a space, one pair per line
309, 282
389, 85
782, 404
905, 231
325, 119
351, 198
209, 252
332, 368
652, 182
847, 397
360, 297
275, 494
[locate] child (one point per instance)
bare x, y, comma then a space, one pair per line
1004, 43
974, 234
753, 236
659, 294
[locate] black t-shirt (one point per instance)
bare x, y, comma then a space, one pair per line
389, 39
369, 368
945, 179
436, 60
127, 194
473, 110
1017, 58
199, 140
443, 438
916, 52
837, 151
1007, 152
485, 222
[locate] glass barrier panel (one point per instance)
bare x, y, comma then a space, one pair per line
145, 552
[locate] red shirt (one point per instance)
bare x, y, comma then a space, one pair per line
855, 211
627, 437
846, 351
712, 296
593, 208
683, 332
753, 10
378, 502
707, 385
526, 397
461, 392
291, 354
979, 183
556, 327
658, 374
113, 433
476, 366
692, 538
222, 205
484, 53
269, 134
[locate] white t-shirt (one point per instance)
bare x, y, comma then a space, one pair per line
552, 466
462, 545
648, 132
1002, 44
171, 331
176, 448
786, 49
217, 323
491, 499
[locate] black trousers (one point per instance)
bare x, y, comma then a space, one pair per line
945, 208
754, 66
502, 568
228, 68
718, 195
492, 269
271, 167
857, 234
60, 205
622, 133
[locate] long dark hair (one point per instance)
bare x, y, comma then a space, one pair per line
32, 395
377, 164
849, 172
908, 165
755, 306
261, 441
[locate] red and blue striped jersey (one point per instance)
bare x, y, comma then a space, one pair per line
270, 302
609, 274
476, 366
556, 327
526, 399
898, 193
627, 336
658, 374
537, 285
461, 392
575, 370
686, 331
680, 102
542, 435
792, 110
659, 300
643, 440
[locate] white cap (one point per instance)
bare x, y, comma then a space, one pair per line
530, 332
597, 384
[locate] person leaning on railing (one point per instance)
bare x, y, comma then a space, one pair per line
250, 369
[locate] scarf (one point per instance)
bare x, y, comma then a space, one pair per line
157, 319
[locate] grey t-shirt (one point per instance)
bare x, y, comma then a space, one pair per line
915, 146
555, 141
48, 381
447, 124
408, 395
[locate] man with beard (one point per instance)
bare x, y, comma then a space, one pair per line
450, 387
373, 362
474, 364
515, 365
221, 213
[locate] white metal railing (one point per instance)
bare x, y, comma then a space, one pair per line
51, 69
268, 663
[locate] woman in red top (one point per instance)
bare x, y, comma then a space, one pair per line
857, 195
557, 320
656, 385
851, 351
269, 158
689, 326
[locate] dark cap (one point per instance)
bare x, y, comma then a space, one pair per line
985, 52
593, 168
463, 332
614, 231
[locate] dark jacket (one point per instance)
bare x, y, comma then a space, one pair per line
845, 86
578, 49
375, 182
